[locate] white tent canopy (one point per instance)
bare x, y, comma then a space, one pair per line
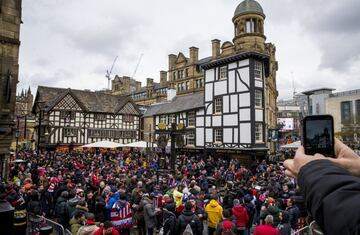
294, 145
140, 144
103, 144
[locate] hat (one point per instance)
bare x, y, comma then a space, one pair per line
227, 225
27, 186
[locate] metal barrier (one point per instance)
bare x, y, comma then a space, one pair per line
311, 229
58, 229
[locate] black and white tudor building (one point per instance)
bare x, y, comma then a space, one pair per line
70, 118
229, 116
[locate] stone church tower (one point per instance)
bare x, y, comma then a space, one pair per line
10, 20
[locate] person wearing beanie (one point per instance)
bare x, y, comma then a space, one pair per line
122, 215
188, 217
168, 216
225, 227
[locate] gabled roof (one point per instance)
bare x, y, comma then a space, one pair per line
178, 104
89, 101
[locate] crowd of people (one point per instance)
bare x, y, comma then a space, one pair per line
127, 192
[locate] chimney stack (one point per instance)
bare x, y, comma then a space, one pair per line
172, 59
163, 78
215, 48
194, 55
138, 86
149, 82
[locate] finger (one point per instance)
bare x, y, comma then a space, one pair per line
339, 146
288, 163
318, 155
300, 151
290, 173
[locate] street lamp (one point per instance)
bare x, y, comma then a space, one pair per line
17, 134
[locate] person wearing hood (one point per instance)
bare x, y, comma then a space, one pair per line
61, 210
214, 211
71, 204
188, 217
77, 221
284, 227
241, 215
90, 226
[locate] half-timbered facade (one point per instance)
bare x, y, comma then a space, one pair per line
185, 110
73, 117
234, 103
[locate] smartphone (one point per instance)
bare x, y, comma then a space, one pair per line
318, 135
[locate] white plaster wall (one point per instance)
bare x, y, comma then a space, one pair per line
244, 99
199, 121
243, 62
216, 120
245, 75
245, 133
200, 112
209, 75
225, 104
244, 114
209, 111
227, 135
208, 121
209, 92
232, 65
234, 103
199, 136
209, 135
230, 119
220, 87
259, 115
236, 135
231, 79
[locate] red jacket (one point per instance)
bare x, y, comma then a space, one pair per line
242, 217
101, 229
266, 229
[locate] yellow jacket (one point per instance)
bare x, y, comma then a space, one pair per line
214, 211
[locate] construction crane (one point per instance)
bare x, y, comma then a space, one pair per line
137, 66
108, 72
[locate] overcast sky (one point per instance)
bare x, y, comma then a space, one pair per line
67, 43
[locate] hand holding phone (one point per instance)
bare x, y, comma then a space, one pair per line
318, 135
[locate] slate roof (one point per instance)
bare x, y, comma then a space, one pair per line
178, 104
90, 101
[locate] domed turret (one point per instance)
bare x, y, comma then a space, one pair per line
249, 26
248, 6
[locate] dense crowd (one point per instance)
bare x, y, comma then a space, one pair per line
129, 192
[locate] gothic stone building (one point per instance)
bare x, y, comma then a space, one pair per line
72, 118
10, 20
239, 97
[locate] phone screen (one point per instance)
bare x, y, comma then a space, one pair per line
319, 135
